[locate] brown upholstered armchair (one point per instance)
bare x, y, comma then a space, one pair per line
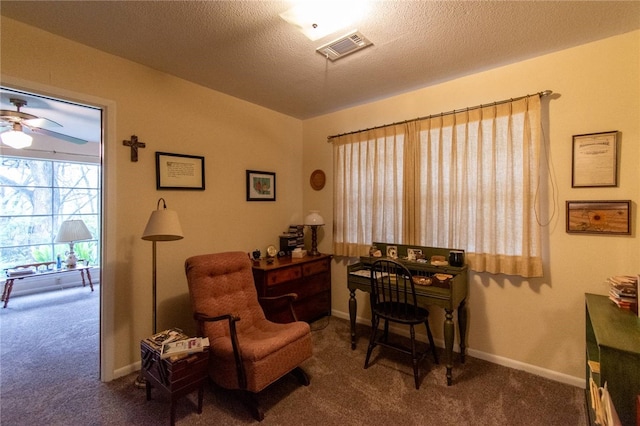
248, 352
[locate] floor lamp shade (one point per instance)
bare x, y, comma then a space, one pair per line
71, 231
163, 225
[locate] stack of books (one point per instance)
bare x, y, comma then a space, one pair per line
174, 343
298, 232
623, 291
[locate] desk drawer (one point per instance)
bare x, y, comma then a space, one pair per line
314, 268
283, 275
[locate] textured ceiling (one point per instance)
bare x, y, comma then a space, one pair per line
244, 48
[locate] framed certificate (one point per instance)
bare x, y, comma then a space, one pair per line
178, 171
594, 160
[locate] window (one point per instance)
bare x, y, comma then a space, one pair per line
36, 196
466, 180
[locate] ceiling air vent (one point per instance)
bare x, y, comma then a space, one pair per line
343, 46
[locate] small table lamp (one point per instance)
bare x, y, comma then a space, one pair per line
314, 220
70, 232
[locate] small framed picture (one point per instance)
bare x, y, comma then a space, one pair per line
392, 252
594, 160
261, 186
179, 171
599, 217
414, 254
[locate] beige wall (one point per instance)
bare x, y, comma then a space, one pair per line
535, 324
170, 115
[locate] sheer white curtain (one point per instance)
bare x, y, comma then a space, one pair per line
465, 180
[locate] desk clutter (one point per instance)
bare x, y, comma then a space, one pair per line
623, 291
413, 254
292, 239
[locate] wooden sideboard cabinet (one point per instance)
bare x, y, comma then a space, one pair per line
613, 343
309, 277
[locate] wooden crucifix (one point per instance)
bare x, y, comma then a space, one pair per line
134, 144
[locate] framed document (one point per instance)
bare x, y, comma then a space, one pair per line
594, 160
177, 171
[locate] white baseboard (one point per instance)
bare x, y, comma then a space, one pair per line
495, 359
126, 370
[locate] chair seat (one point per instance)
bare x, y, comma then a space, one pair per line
401, 312
261, 340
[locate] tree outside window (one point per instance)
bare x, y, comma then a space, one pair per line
36, 196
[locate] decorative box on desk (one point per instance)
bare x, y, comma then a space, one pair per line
309, 277
448, 296
613, 348
174, 377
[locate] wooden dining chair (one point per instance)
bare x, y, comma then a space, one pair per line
393, 299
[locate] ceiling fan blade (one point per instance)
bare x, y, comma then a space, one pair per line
41, 122
9, 115
57, 135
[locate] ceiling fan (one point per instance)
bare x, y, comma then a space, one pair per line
13, 124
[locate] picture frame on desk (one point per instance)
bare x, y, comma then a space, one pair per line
392, 252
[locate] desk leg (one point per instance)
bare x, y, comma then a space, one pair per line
462, 326
353, 308
8, 286
449, 332
88, 277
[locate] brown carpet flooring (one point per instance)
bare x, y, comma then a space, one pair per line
49, 375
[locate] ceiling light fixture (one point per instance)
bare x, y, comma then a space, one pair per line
317, 19
16, 138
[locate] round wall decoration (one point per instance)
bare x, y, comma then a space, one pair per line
317, 180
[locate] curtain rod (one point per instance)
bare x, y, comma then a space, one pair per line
455, 111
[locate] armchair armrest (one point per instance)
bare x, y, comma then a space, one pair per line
282, 302
237, 354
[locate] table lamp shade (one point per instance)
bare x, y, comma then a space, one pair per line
73, 230
314, 218
163, 225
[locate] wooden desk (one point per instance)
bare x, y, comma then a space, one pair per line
174, 378
448, 297
41, 269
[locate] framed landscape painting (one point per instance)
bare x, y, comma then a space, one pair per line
599, 217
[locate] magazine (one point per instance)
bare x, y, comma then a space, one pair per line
185, 346
166, 336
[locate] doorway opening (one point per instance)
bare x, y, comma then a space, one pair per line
56, 179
